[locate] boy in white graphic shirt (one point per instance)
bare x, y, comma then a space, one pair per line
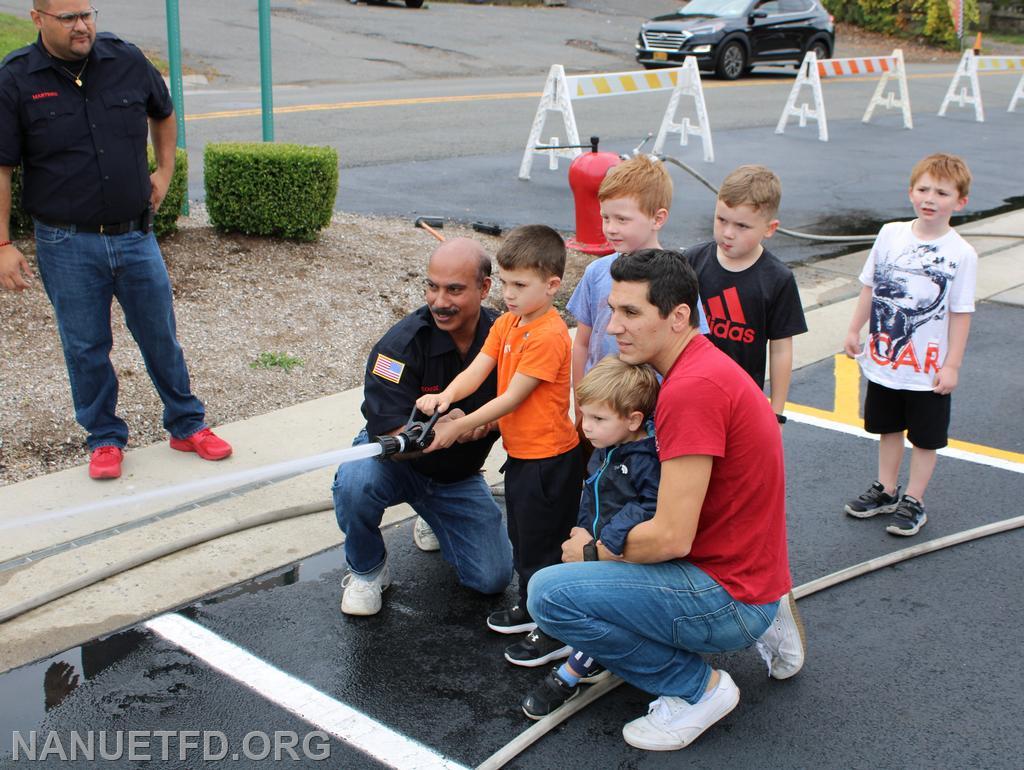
919, 295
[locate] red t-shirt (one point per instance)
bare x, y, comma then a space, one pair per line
709, 406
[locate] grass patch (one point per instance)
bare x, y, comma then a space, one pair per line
273, 360
1003, 37
15, 32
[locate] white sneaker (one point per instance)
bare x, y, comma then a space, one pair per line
783, 645
362, 595
672, 723
424, 536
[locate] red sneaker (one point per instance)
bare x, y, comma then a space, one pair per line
205, 443
105, 462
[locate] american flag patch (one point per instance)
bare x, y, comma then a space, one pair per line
388, 368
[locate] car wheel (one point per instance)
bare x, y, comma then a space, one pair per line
821, 49
413, 3
732, 60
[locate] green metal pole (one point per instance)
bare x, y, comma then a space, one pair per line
177, 92
266, 74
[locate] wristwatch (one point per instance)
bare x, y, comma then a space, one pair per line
590, 551
781, 418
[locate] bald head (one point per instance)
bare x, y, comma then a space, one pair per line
458, 281
464, 253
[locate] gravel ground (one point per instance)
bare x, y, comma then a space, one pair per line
236, 297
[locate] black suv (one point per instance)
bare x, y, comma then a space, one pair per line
731, 36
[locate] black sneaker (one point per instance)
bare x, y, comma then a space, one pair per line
551, 693
908, 518
536, 649
597, 673
873, 502
514, 620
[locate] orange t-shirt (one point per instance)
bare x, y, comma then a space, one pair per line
540, 426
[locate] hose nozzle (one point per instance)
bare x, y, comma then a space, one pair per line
416, 436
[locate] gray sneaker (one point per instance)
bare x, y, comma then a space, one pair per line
362, 595
873, 502
783, 645
424, 536
908, 518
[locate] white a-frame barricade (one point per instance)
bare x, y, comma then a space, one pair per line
560, 91
812, 71
688, 84
968, 69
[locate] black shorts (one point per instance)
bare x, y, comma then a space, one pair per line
924, 415
542, 500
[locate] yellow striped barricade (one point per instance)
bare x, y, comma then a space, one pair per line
812, 70
966, 77
560, 91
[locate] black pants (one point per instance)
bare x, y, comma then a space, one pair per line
542, 498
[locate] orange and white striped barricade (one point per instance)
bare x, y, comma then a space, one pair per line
812, 71
561, 90
966, 77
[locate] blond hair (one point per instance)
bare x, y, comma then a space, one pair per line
533, 247
642, 178
624, 387
754, 186
942, 166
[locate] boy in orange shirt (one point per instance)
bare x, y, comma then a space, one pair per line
531, 348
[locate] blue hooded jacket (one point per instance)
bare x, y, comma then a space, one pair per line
621, 491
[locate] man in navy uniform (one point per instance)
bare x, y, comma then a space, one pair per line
420, 354
74, 109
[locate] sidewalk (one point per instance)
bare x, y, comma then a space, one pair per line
828, 290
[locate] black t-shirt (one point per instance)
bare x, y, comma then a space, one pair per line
414, 357
83, 149
747, 309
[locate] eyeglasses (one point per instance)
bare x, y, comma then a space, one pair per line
69, 20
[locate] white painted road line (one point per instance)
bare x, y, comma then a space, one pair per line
306, 702
852, 430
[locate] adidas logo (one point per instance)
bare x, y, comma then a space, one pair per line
726, 319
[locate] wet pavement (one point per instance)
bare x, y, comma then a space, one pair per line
912, 666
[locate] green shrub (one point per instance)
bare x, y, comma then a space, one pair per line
258, 188
929, 19
166, 220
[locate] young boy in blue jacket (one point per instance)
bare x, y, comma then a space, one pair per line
615, 400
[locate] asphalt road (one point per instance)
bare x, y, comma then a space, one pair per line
430, 110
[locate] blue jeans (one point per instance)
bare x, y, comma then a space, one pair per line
647, 623
463, 515
82, 272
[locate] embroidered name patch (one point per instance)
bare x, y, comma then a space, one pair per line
388, 368
44, 95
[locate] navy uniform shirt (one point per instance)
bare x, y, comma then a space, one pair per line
83, 150
413, 358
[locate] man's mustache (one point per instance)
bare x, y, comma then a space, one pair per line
444, 312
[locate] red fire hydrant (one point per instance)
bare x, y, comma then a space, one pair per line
585, 176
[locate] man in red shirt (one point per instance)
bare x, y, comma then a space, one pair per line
706, 574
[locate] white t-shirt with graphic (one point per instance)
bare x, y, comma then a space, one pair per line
915, 285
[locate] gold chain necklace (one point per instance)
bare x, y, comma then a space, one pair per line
77, 78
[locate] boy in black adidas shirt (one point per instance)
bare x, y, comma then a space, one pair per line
750, 297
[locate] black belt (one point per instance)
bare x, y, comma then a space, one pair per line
114, 228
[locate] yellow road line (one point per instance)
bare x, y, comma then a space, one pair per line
846, 411
511, 95
847, 398
256, 111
